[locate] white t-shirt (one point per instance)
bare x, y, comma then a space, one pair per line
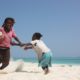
39, 47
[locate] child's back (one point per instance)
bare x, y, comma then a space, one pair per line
40, 47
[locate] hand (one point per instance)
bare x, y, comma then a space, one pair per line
15, 44
25, 48
22, 45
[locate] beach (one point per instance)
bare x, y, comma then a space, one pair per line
20, 70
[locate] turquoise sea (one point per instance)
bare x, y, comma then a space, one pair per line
61, 60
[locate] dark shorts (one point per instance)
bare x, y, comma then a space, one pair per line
4, 56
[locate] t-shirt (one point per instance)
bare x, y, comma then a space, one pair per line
40, 47
7, 37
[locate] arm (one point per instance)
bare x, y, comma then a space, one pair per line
14, 43
19, 42
15, 36
27, 46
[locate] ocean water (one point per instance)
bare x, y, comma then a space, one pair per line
66, 60
61, 60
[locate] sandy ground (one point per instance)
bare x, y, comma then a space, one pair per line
20, 70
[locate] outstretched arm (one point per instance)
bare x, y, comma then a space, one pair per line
16, 38
15, 44
27, 46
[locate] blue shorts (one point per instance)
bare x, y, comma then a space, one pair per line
45, 59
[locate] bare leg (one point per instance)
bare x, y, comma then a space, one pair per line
46, 69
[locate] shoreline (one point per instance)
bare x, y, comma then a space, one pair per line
72, 61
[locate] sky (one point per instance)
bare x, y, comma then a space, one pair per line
57, 20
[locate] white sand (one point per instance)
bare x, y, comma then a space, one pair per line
20, 70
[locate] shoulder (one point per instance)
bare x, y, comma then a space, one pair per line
12, 29
1, 29
35, 41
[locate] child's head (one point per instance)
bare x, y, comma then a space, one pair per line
8, 23
37, 36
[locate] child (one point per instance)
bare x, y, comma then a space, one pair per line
43, 52
7, 33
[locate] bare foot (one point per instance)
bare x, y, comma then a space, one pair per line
46, 71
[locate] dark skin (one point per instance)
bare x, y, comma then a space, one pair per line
8, 26
27, 46
36, 36
5, 57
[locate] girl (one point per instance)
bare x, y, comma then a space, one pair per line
6, 35
43, 52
